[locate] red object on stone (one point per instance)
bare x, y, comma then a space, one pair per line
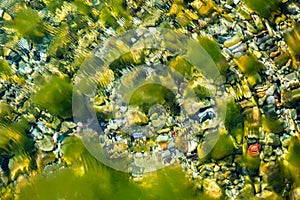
254, 149
173, 133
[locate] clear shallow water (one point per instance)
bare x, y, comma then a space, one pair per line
43, 44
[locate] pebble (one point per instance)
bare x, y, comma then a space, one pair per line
211, 189
216, 168
162, 138
272, 139
231, 41
46, 144
64, 127
36, 134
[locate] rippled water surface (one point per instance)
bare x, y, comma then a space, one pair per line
164, 99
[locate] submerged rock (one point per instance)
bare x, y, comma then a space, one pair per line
211, 189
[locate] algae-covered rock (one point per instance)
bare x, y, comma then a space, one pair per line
6, 112
55, 96
151, 94
293, 39
17, 150
137, 117
270, 195
263, 8
273, 174
211, 189
247, 192
290, 98
215, 146
182, 66
291, 162
214, 50
29, 24
5, 68
271, 125
201, 92
203, 7
234, 121
248, 64
223, 147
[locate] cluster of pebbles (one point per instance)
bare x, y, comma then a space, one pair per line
70, 35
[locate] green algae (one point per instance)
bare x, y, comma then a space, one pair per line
224, 147
182, 66
53, 5
60, 42
234, 120
16, 148
55, 96
263, 8
88, 178
5, 68
249, 64
214, 50
272, 125
82, 7
6, 113
112, 11
294, 152
252, 164
292, 38
151, 94
127, 61
29, 25
214, 147
201, 92
291, 162
274, 175
105, 183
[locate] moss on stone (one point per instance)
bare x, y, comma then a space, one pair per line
29, 24
263, 8
55, 96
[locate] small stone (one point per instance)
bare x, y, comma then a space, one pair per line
41, 127
46, 144
257, 187
216, 168
54, 124
231, 41
268, 150
272, 139
46, 158
236, 1
158, 123
136, 117
70, 125
192, 145
36, 134
212, 189
162, 138
137, 135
